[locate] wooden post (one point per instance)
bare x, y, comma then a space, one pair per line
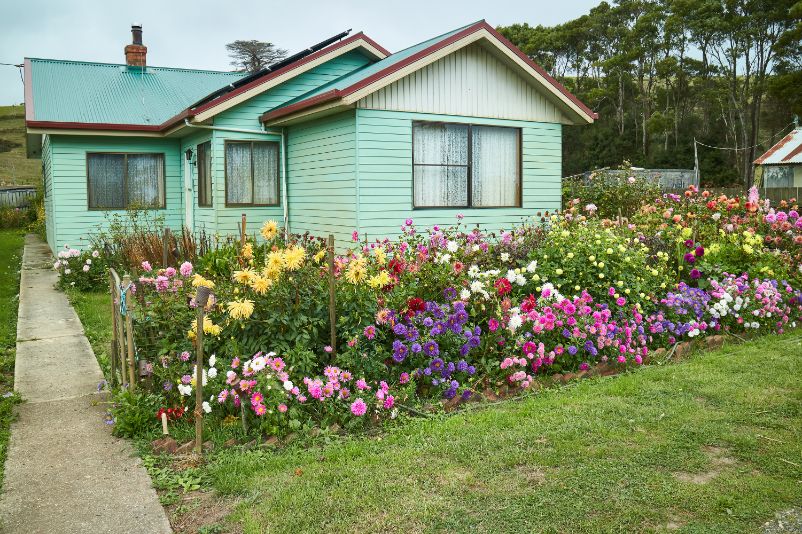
201, 298
165, 432
166, 248
242, 232
129, 332
332, 299
115, 353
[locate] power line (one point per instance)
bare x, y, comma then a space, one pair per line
771, 139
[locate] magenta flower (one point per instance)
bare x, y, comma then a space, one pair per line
695, 274
358, 408
185, 269
146, 266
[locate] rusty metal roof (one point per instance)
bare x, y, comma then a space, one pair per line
787, 151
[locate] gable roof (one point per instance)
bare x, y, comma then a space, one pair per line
118, 97
59, 91
350, 88
787, 151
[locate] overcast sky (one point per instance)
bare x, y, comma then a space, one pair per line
193, 34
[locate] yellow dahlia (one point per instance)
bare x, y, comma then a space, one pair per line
261, 284
199, 281
269, 230
244, 276
294, 258
240, 309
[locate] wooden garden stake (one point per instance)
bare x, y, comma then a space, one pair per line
166, 248
164, 424
129, 331
201, 298
332, 298
242, 232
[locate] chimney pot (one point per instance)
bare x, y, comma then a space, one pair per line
136, 53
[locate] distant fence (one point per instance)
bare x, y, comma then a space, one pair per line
16, 197
775, 194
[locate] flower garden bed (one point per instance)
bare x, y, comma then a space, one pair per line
446, 315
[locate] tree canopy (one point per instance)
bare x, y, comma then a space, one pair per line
253, 55
663, 72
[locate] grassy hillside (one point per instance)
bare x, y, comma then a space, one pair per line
15, 168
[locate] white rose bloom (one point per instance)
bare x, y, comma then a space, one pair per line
473, 271
477, 286
67, 271
452, 246
511, 276
206, 407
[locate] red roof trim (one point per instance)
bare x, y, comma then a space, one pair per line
92, 126
322, 98
793, 153
774, 149
288, 68
427, 52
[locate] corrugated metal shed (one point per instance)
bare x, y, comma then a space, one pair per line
86, 92
787, 151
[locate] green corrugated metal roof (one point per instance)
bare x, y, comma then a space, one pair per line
356, 76
77, 91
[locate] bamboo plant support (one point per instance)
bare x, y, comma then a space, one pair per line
201, 298
129, 332
115, 352
332, 299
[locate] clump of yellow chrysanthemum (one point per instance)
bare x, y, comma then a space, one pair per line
320, 255
269, 230
381, 256
380, 280
247, 251
245, 276
261, 284
356, 271
240, 308
199, 281
294, 258
275, 261
208, 328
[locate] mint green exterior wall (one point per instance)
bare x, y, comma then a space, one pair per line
73, 221
203, 218
47, 175
322, 176
246, 116
384, 148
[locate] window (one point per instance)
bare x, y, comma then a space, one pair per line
251, 173
465, 165
119, 181
204, 166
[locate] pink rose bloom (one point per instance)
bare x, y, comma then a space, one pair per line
146, 266
282, 408
358, 407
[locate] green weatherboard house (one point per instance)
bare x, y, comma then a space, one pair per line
343, 136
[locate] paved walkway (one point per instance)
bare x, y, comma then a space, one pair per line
65, 472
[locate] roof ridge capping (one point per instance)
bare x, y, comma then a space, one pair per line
104, 64
442, 41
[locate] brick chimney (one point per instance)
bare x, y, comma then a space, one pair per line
136, 53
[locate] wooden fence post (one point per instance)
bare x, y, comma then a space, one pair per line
242, 232
201, 298
332, 298
129, 331
115, 352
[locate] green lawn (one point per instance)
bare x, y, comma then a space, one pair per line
15, 168
10, 257
713, 444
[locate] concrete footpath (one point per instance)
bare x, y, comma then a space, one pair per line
65, 472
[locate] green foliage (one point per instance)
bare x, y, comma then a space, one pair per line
82, 270
609, 193
134, 413
657, 74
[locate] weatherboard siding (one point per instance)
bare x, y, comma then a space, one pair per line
203, 217
47, 173
246, 114
469, 82
322, 177
384, 140
75, 222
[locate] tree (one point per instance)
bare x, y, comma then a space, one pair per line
253, 55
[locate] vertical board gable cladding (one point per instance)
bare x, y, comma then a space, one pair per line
385, 174
470, 82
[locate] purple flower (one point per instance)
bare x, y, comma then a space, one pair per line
430, 348
450, 293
